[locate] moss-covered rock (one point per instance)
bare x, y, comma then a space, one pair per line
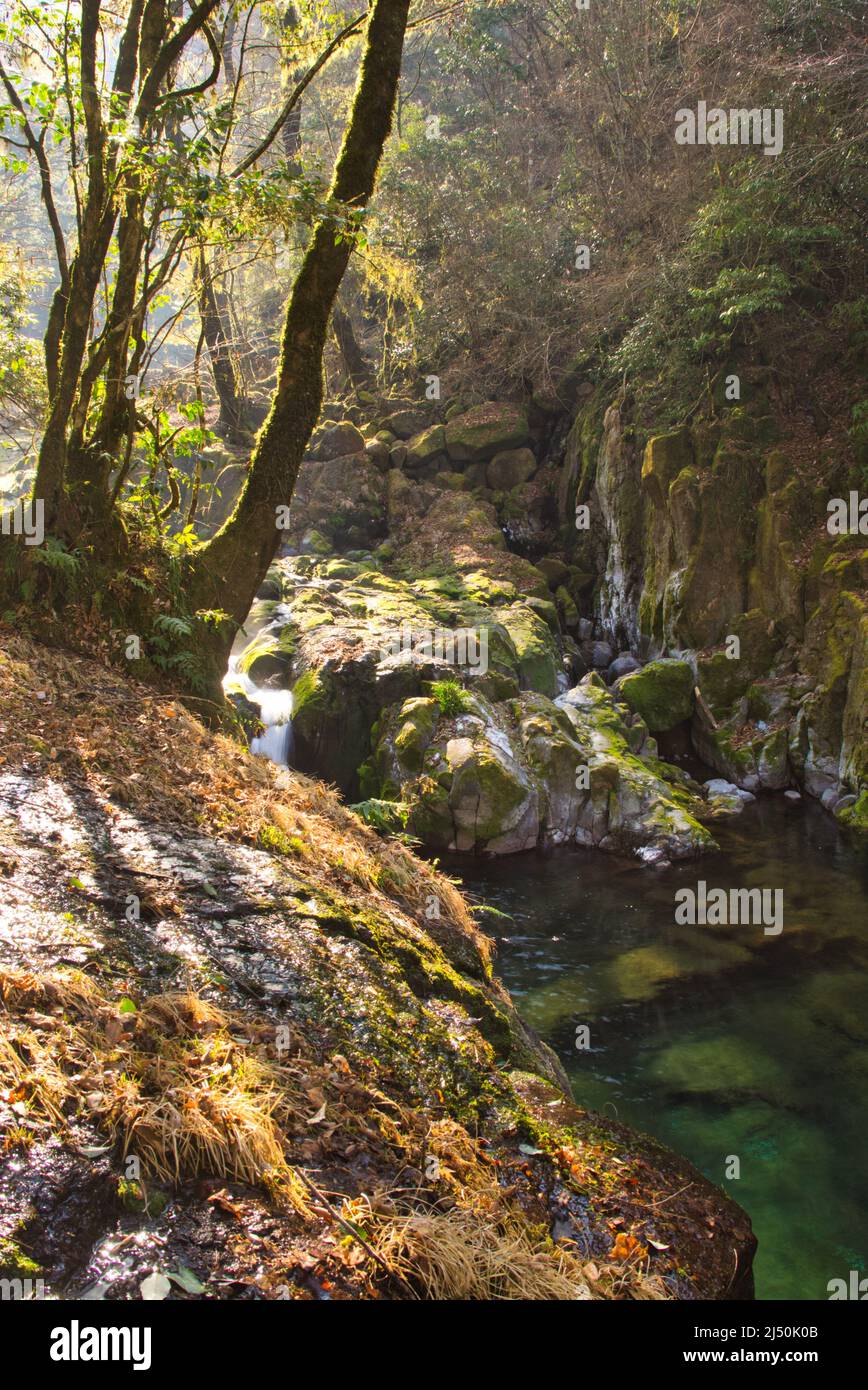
535, 649
661, 693
486, 430
424, 448
509, 468
507, 775
855, 817
666, 455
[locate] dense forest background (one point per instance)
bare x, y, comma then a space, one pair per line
535, 222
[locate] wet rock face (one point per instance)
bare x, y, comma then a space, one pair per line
709, 542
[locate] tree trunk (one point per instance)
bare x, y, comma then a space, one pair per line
230, 392
355, 363
227, 571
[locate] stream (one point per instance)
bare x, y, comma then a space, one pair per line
723, 1042
746, 1052
275, 705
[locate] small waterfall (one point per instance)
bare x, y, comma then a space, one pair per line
275, 711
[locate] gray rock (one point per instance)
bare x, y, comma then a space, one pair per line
623, 664
407, 422
597, 655
338, 440
377, 450
718, 786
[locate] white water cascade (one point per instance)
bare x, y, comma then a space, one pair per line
275, 707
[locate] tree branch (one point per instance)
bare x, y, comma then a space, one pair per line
296, 94
38, 149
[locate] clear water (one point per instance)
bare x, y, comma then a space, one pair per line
721, 1041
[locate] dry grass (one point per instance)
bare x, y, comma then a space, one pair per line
192, 1089
72, 716
180, 1091
199, 1106
456, 1255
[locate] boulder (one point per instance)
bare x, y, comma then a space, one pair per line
340, 439
662, 693
486, 430
510, 468
554, 571
502, 777
407, 422
597, 655
426, 447
378, 452
623, 665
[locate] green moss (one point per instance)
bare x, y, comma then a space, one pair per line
308, 693
855, 817
14, 1262
662, 693
666, 455
535, 649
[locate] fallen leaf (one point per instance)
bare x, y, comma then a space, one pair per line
222, 1200
155, 1287
186, 1280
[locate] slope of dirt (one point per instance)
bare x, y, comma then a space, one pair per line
248, 1049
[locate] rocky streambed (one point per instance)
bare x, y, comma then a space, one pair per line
469, 663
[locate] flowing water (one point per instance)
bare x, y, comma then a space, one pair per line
726, 1043
275, 705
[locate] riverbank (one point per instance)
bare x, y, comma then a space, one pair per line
211, 967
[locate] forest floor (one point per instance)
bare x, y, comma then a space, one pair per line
250, 1049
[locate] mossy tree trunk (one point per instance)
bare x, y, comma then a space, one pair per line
227, 571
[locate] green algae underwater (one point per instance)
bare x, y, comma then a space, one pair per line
723, 1042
